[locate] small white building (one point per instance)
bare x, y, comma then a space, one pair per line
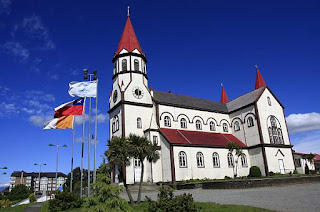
301, 162
192, 133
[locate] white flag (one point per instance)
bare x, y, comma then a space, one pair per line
83, 89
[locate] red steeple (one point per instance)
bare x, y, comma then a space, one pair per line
129, 40
224, 98
259, 80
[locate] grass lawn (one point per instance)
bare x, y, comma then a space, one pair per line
202, 206
19, 208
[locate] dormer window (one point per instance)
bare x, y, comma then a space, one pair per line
124, 65
136, 65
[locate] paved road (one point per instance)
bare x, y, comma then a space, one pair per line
299, 197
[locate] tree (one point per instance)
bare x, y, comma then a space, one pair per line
76, 180
141, 148
309, 158
118, 156
234, 147
19, 192
153, 157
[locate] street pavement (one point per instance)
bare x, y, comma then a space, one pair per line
298, 197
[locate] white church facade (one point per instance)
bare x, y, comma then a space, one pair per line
192, 133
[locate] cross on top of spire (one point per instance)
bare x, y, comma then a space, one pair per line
128, 11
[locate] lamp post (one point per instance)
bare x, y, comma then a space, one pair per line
40, 164
58, 146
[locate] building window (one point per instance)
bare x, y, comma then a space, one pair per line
200, 160
250, 122
136, 65
297, 162
182, 159
212, 126
124, 65
155, 139
114, 67
230, 160
198, 125
225, 127
139, 123
236, 126
137, 162
215, 158
115, 124
269, 101
275, 132
244, 161
183, 123
167, 121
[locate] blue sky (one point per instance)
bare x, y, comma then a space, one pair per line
191, 46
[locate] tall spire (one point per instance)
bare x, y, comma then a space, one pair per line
259, 80
224, 98
129, 40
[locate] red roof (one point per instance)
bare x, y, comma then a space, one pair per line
316, 157
259, 80
199, 138
224, 98
129, 40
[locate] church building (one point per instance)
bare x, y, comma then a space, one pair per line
193, 133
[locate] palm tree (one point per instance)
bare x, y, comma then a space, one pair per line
309, 158
234, 147
119, 156
153, 156
141, 149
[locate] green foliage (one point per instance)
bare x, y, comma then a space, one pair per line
5, 203
76, 180
107, 196
64, 201
32, 198
254, 172
19, 192
306, 169
227, 178
295, 172
272, 173
313, 172
170, 203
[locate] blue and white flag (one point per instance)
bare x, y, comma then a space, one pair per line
83, 89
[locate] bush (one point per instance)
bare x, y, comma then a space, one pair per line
167, 202
64, 201
32, 198
254, 171
227, 178
19, 192
306, 170
313, 172
5, 203
295, 172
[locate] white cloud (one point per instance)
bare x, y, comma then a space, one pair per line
102, 118
17, 50
5, 184
5, 7
8, 109
39, 120
303, 122
4, 90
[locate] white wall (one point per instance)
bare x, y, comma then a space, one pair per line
273, 155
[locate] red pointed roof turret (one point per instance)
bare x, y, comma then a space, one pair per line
129, 40
224, 98
259, 80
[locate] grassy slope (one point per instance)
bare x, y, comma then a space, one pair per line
19, 208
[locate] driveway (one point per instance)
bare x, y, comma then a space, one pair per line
299, 197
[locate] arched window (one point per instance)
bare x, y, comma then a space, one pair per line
275, 132
230, 160
139, 123
114, 67
250, 122
225, 127
244, 161
115, 124
124, 65
136, 65
182, 159
200, 160
183, 123
236, 126
212, 126
198, 125
215, 158
269, 101
167, 121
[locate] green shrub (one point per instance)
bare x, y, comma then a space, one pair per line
64, 201
313, 172
32, 198
271, 174
19, 192
295, 172
5, 203
306, 170
254, 171
167, 202
227, 178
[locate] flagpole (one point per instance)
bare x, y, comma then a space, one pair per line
89, 145
82, 146
72, 154
95, 138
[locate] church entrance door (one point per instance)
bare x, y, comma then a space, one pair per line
137, 170
281, 166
